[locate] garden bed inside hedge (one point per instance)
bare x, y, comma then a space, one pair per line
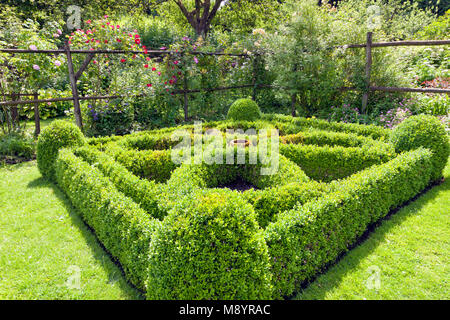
219, 231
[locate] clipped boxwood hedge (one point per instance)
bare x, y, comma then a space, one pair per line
244, 109
327, 163
120, 224
423, 131
305, 239
210, 247
57, 135
300, 123
178, 236
143, 192
154, 165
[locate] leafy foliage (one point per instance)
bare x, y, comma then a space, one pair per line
305, 239
226, 260
17, 145
119, 223
57, 135
427, 132
244, 109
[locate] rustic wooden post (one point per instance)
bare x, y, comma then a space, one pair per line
185, 95
73, 85
365, 97
37, 120
254, 77
293, 102
14, 112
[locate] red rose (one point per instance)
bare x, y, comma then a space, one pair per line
153, 69
146, 66
137, 41
122, 60
149, 85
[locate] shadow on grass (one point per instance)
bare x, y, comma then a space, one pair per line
399, 214
113, 269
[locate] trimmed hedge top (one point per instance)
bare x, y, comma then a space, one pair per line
244, 109
59, 134
209, 247
423, 131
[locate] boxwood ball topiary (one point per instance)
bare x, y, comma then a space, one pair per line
244, 109
59, 134
209, 247
423, 131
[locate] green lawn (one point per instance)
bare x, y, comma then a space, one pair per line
43, 241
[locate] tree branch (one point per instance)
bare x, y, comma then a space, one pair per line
187, 14
214, 10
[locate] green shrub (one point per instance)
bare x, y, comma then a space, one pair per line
321, 138
148, 141
268, 203
154, 165
287, 172
244, 109
143, 192
104, 119
327, 163
59, 134
305, 239
17, 145
300, 123
209, 247
119, 223
423, 131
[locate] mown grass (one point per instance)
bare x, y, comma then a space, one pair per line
42, 238
43, 242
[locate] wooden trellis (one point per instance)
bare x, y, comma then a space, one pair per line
75, 76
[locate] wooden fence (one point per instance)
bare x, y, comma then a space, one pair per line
75, 76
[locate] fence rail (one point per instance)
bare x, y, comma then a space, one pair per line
75, 76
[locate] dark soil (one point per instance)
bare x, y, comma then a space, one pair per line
14, 160
239, 184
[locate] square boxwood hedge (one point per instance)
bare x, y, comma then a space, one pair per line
178, 236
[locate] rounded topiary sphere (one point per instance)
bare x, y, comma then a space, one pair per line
244, 109
209, 247
59, 134
423, 131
